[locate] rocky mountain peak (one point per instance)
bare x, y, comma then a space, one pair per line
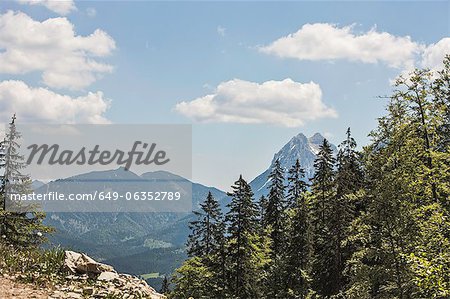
299, 147
317, 138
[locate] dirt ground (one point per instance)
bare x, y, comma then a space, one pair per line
11, 289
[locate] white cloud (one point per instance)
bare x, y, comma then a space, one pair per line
322, 41
433, 55
42, 105
52, 47
285, 103
221, 31
62, 7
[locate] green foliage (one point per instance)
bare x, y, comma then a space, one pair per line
191, 280
375, 225
430, 261
404, 233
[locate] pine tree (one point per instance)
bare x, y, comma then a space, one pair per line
298, 250
344, 207
296, 184
22, 226
323, 194
274, 215
218, 261
323, 182
349, 175
244, 244
207, 241
205, 229
274, 223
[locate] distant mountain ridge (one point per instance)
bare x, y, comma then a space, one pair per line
120, 235
299, 147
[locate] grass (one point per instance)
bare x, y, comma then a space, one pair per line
34, 265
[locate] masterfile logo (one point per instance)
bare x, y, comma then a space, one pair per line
52, 155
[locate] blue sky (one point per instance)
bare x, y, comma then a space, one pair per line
169, 52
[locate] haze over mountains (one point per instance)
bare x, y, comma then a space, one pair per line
140, 243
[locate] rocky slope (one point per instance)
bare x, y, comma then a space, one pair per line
79, 277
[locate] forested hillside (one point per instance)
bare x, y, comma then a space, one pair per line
372, 224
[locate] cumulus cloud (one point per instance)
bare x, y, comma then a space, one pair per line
323, 41
287, 103
62, 7
434, 54
42, 105
52, 47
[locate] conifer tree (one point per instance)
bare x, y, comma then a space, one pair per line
247, 252
298, 250
274, 215
274, 222
344, 207
323, 182
22, 226
207, 241
218, 261
349, 175
296, 184
206, 228
323, 195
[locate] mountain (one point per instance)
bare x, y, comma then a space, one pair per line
122, 236
36, 184
299, 147
120, 228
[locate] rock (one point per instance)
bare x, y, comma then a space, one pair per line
75, 262
71, 260
107, 276
108, 283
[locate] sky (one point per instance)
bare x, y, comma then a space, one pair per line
247, 75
